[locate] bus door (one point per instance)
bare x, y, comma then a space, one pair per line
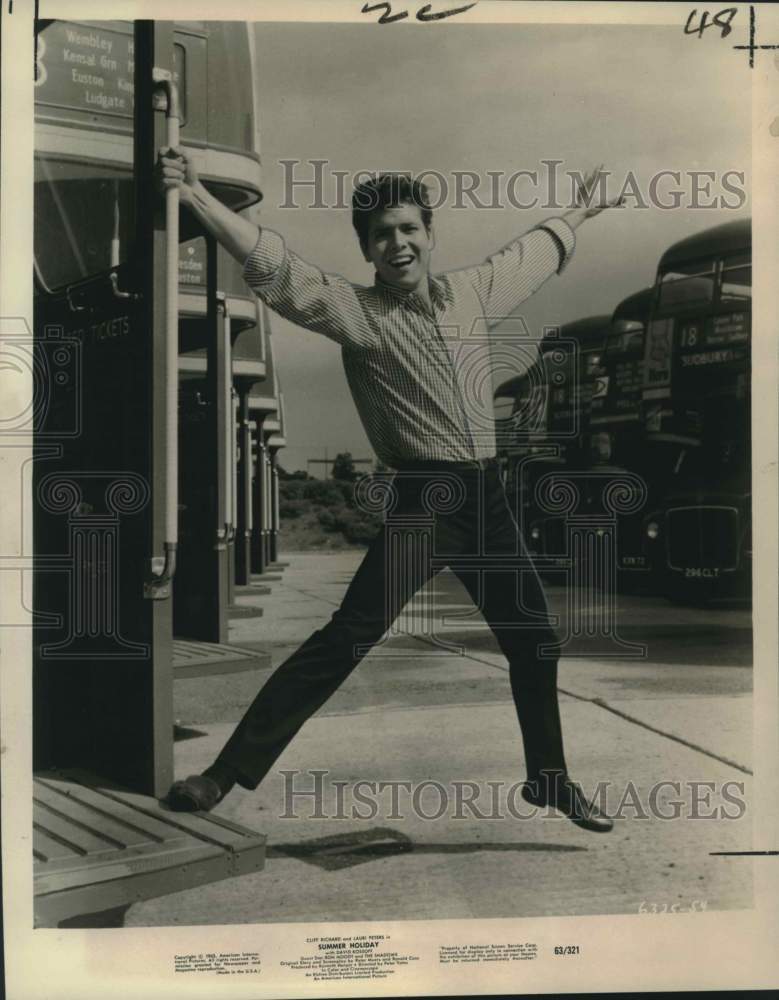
679, 339
616, 431
553, 450
616, 399
105, 475
520, 420
674, 379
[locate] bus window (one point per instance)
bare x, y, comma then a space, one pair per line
231, 117
687, 285
736, 279
629, 340
83, 219
634, 342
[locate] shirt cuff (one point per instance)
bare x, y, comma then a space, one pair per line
264, 262
563, 236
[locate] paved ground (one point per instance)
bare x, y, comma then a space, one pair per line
681, 713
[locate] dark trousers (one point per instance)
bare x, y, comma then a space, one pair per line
438, 514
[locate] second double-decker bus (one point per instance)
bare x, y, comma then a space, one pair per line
546, 430
617, 440
697, 405
571, 375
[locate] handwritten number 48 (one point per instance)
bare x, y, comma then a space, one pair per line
722, 19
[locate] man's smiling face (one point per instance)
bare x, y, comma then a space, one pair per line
399, 246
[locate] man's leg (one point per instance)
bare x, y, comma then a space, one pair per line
304, 682
514, 604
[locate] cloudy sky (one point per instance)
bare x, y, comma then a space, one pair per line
481, 97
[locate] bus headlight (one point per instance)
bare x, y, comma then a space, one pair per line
535, 534
653, 530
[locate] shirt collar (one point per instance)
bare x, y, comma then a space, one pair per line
436, 285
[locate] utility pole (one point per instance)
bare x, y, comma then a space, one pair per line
318, 461
327, 462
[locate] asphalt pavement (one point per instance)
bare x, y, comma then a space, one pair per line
419, 761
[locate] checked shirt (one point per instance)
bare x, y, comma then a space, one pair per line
421, 380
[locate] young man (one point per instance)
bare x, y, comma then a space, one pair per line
400, 341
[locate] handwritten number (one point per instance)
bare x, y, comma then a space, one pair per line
691, 31
725, 25
721, 20
423, 14
387, 17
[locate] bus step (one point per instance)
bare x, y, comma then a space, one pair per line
98, 847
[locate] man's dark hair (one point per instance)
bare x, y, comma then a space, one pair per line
387, 191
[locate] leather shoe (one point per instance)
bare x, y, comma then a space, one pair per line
567, 797
197, 793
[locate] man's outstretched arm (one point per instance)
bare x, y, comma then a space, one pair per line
236, 234
588, 204
295, 289
519, 269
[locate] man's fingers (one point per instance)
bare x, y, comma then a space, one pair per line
595, 176
172, 170
172, 155
614, 203
583, 186
597, 171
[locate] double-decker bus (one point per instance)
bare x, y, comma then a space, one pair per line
522, 414
615, 417
543, 419
696, 411
147, 347
616, 431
